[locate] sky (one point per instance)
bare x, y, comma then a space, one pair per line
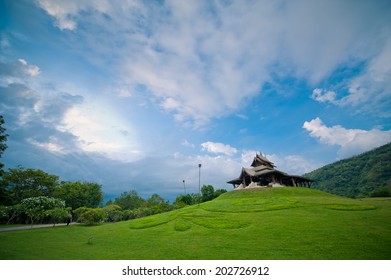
134, 95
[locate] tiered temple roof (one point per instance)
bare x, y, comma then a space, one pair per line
264, 173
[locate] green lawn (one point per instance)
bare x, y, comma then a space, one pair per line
271, 223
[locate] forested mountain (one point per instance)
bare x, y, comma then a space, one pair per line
367, 174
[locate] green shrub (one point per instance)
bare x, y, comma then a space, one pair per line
92, 217
79, 211
113, 213
382, 192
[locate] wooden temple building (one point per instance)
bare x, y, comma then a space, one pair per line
264, 173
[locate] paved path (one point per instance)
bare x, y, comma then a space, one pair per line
29, 227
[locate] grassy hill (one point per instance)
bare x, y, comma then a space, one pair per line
271, 223
361, 175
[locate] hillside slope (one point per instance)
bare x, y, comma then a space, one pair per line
356, 176
270, 223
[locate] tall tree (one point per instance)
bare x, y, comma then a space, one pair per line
129, 200
207, 192
3, 139
78, 194
155, 199
23, 183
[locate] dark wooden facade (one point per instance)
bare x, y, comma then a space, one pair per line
264, 173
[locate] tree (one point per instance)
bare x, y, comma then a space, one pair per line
36, 207
219, 192
10, 213
184, 199
79, 194
58, 214
3, 139
155, 199
129, 200
207, 192
23, 183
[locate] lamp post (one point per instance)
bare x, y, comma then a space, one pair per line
184, 186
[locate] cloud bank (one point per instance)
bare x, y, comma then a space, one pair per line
226, 51
350, 141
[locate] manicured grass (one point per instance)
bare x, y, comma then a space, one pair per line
271, 223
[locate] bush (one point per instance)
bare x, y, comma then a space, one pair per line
184, 199
219, 192
92, 217
59, 214
382, 192
113, 213
129, 215
80, 211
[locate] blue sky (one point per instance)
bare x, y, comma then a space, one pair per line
135, 94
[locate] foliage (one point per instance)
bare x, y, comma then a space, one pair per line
382, 192
23, 183
207, 192
219, 192
155, 199
113, 213
79, 211
59, 214
129, 200
184, 199
78, 194
10, 213
93, 216
36, 207
3, 139
357, 176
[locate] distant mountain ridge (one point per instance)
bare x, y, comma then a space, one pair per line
360, 175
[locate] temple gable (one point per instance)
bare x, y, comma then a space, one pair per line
264, 173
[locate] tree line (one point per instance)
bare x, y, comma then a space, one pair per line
32, 196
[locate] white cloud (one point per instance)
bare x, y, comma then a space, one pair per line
323, 96
218, 148
52, 145
215, 170
29, 70
101, 132
370, 91
247, 157
16, 71
351, 141
186, 143
199, 60
293, 164
62, 11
